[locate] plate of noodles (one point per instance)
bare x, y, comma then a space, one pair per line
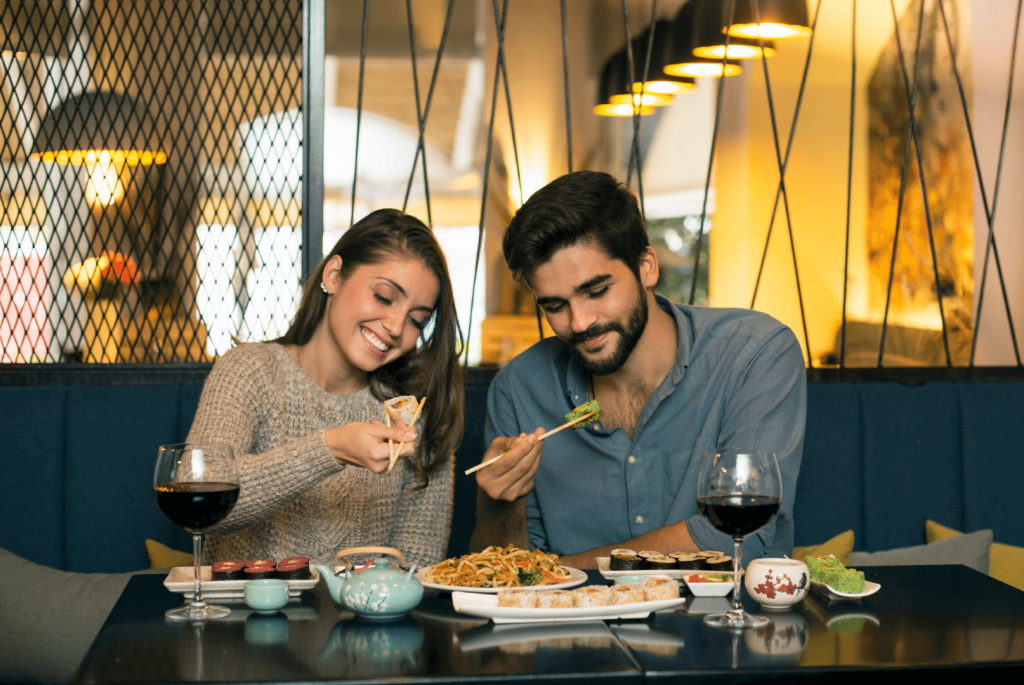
499, 568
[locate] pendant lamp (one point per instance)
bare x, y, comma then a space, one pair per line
658, 81
679, 58
614, 98
711, 20
82, 128
103, 131
779, 19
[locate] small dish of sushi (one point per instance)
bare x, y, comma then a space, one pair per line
709, 584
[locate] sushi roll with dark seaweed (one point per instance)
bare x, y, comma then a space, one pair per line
722, 564
624, 560
688, 562
227, 570
259, 572
293, 570
660, 562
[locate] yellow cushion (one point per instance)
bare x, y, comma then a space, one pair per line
840, 547
1005, 562
162, 556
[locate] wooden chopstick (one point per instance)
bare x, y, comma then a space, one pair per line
391, 443
415, 416
546, 435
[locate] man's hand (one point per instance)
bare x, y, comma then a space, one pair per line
511, 477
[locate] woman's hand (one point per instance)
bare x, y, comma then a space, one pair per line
366, 444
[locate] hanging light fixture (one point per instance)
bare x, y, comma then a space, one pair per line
679, 58
711, 37
658, 81
779, 19
104, 131
614, 98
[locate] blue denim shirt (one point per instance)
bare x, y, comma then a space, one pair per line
739, 381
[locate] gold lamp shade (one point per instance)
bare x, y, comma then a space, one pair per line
98, 127
614, 98
779, 19
710, 42
679, 58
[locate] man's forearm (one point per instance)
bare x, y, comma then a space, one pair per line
675, 537
499, 523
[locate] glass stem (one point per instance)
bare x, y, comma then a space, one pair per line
197, 561
737, 604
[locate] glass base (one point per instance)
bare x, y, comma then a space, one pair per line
194, 613
736, 620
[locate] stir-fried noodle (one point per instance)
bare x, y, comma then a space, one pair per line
499, 567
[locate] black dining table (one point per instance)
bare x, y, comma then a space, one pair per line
924, 621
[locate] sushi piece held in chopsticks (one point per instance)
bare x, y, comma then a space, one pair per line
583, 415
592, 408
404, 408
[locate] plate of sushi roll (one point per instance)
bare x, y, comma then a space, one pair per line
227, 579
622, 562
587, 603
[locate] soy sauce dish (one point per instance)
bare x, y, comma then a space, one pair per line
702, 585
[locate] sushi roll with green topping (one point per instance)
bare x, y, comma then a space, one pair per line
590, 407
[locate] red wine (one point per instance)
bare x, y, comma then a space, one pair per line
738, 515
195, 506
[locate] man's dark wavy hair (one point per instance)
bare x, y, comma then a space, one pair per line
584, 206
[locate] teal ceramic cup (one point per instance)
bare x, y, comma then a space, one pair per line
629, 580
266, 596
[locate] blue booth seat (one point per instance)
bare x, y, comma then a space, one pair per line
880, 457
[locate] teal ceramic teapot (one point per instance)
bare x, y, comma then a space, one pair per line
376, 591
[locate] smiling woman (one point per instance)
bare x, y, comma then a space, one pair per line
376, 319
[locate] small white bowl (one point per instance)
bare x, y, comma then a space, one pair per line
777, 583
710, 588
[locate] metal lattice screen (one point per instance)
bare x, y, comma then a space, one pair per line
150, 177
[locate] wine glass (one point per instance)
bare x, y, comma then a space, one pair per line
196, 485
738, 492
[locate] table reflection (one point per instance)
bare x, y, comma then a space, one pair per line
375, 648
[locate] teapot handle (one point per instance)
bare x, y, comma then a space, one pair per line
372, 550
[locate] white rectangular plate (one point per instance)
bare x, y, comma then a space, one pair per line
486, 606
180, 579
602, 566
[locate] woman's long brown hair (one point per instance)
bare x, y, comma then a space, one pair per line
431, 370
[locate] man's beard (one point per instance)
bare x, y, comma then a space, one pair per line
629, 336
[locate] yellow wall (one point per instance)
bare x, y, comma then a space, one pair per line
747, 176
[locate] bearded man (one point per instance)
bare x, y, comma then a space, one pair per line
672, 380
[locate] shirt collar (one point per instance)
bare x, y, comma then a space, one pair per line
576, 383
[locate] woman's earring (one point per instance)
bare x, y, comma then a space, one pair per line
323, 286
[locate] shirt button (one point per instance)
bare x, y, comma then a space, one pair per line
639, 519
632, 459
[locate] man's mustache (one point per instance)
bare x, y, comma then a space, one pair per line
594, 331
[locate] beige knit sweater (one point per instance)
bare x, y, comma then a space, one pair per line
296, 499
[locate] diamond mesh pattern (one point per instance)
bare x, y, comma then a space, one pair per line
114, 260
